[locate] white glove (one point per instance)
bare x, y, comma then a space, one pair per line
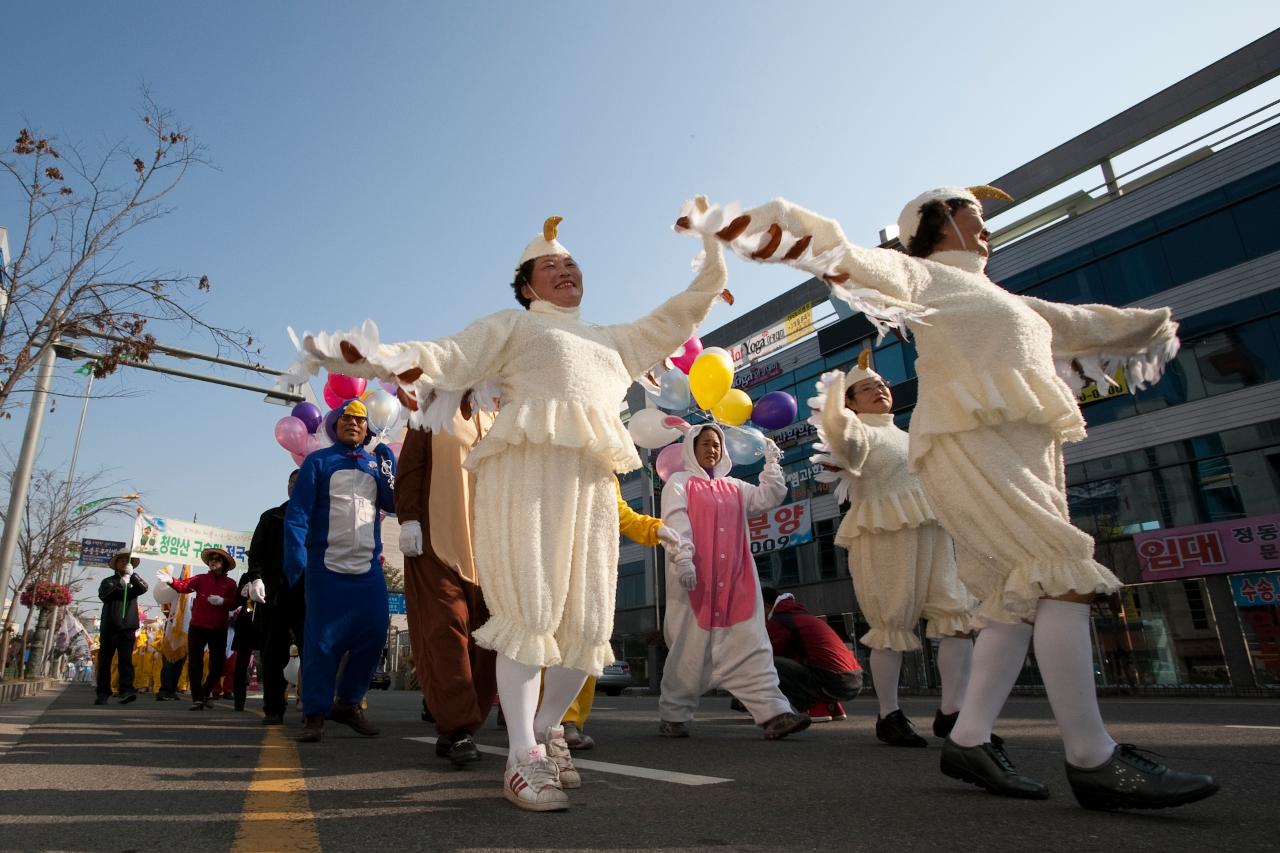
411, 539
257, 591
670, 539
128, 570
682, 562
772, 453
216, 600
688, 578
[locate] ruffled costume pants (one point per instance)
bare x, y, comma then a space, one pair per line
1000, 491
547, 555
901, 575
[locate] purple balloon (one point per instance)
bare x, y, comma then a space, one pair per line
309, 414
774, 410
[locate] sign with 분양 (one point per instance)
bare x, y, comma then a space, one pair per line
170, 540
781, 527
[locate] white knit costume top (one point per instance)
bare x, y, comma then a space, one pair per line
872, 449
986, 356
561, 380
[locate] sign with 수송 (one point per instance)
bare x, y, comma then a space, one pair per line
1257, 589
1223, 547
96, 553
781, 527
395, 603
172, 541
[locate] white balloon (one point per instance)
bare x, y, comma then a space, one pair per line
384, 410
164, 594
291, 670
648, 431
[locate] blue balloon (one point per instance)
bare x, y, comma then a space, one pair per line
774, 410
673, 392
745, 445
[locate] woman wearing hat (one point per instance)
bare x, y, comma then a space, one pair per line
215, 598
996, 403
901, 560
546, 538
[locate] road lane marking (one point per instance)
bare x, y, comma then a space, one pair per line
277, 816
616, 769
1270, 728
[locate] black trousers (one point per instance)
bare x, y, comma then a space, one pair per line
803, 685
198, 639
284, 621
116, 643
170, 675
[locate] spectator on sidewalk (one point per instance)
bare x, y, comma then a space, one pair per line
816, 669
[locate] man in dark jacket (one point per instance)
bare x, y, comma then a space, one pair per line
119, 593
816, 670
279, 611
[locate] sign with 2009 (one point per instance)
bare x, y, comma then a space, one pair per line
781, 527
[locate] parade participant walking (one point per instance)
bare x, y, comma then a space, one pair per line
215, 598
119, 626
279, 609
900, 559
545, 507
994, 411
333, 543
443, 601
714, 624
816, 670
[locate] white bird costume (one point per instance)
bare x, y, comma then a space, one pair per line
546, 525
995, 404
716, 630
901, 560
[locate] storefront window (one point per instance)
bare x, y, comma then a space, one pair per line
1257, 599
1164, 635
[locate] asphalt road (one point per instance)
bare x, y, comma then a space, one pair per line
156, 776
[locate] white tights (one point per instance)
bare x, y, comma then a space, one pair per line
518, 690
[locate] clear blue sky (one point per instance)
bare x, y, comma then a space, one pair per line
392, 159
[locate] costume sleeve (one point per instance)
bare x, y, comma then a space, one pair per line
646, 342
639, 528
297, 518
675, 513
413, 477
450, 364
767, 495
1101, 339
844, 435
884, 284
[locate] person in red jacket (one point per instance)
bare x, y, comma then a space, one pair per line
816, 670
216, 597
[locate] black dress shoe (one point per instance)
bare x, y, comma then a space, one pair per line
101, 700
896, 730
988, 767
463, 750
312, 729
1131, 780
273, 719
353, 716
126, 698
944, 723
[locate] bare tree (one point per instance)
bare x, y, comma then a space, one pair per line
53, 522
69, 273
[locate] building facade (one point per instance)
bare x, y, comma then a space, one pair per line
1179, 484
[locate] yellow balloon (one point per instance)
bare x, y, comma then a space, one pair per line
710, 379
734, 407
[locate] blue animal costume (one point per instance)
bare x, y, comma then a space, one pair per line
333, 535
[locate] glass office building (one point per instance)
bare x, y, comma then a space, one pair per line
1179, 484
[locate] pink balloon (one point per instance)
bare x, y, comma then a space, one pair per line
670, 461
291, 434
346, 387
297, 458
396, 447
331, 399
684, 358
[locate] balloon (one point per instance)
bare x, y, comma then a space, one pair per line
346, 387
745, 445
309, 414
670, 461
389, 387
710, 378
684, 357
314, 443
720, 353
774, 410
648, 430
291, 434
384, 410
298, 457
734, 407
331, 398
164, 593
673, 391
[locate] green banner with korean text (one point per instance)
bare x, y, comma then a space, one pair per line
172, 541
